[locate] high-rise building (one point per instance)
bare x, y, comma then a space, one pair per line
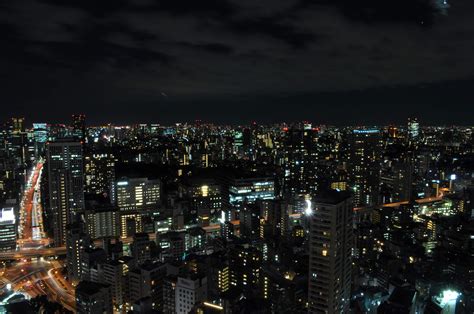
249, 190
90, 259
300, 157
141, 247
93, 298
365, 154
172, 244
15, 148
250, 222
99, 171
136, 194
17, 125
398, 179
76, 242
130, 223
190, 291
79, 126
216, 268
330, 249
245, 267
7, 229
147, 281
413, 130
202, 193
169, 293
66, 190
114, 273
40, 135
103, 222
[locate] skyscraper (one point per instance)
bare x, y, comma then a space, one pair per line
92, 297
76, 242
300, 160
413, 130
190, 291
330, 249
99, 170
79, 126
136, 194
66, 189
7, 229
40, 134
245, 268
365, 154
17, 125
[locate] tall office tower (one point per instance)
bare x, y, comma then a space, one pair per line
147, 281
203, 193
7, 229
114, 273
195, 238
169, 293
413, 130
57, 131
190, 291
238, 142
216, 268
99, 171
136, 194
172, 244
76, 242
66, 188
79, 126
276, 215
330, 250
15, 143
93, 297
300, 176
141, 248
365, 154
398, 179
17, 125
130, 223
90, 259
250, 222
245, 268
40, 135
103, 222
249, 190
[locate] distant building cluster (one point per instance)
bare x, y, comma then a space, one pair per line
283, 218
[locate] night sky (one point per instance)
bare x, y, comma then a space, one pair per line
236, 61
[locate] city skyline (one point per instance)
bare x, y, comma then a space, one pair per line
237, 156
199, 218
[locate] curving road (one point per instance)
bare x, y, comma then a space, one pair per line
40, 277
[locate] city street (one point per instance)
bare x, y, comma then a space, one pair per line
30, 228
40, 277
34, 274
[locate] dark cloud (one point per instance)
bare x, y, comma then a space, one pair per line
273, 28
122, 54
91, 30
421, 12
209, 47
91, 53
103, 8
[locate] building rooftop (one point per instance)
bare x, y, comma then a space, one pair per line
89, 287
7, 215
331, 197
